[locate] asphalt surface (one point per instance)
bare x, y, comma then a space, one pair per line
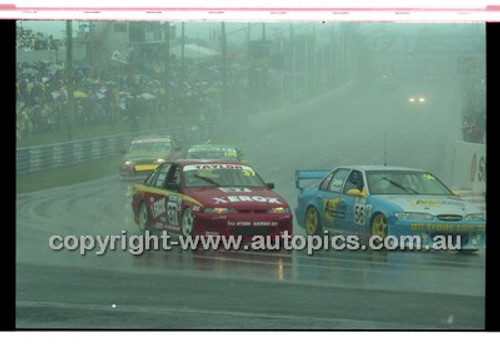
259, 290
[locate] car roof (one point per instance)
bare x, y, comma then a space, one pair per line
380, 168
185, 162
152, 139
212, 146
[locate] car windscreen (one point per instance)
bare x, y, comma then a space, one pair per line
405, 182
227, 175
150, 148
207, 154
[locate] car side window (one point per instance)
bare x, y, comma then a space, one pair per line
354, 181
174, 175
325, 182
159, 182
338, 179
149, 180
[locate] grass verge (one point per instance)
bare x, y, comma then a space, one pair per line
67, 175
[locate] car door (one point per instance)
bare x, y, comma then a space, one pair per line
330, 198
356, 209
155, 197
173, 198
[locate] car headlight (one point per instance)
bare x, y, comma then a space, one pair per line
161, 160
128, 163
279, 210
219, 210
413, 215
475, 217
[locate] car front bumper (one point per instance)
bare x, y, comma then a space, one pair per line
247, 225
472, 234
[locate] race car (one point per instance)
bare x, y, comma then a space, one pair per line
383, 201
215, 152
193, 197
145, 154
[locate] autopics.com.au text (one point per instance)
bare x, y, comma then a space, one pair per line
138, 244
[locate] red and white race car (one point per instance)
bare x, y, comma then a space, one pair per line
210, 198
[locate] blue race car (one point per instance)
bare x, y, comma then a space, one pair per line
383, 201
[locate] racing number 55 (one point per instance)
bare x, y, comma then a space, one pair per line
359, 214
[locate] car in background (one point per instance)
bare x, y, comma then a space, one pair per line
215, 152
192, 197
146, 154
384, 201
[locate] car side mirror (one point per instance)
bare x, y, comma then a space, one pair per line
173, 187
355, 192
270, 186
455, 193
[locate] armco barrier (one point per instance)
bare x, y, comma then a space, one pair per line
51, 156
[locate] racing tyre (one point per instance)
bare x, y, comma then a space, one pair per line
313, 222
187, 225
143, 217
379, 226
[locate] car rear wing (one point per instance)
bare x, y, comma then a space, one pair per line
304, 174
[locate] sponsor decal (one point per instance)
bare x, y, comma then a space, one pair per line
172, 209
241, 198
158, 208
239, 224
447, 227
473, 167
426, 203
434, 203
481, 174
210, 148
265, 224
215, 166
250, 224
359, 214
334, 208
235, 190
368, 211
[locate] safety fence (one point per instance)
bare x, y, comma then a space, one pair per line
51, 156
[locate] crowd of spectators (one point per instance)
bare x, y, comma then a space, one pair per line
118, 95
474, 129
42, 98
141, 90
474, 118
28, 40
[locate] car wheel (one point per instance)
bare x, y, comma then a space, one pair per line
187, 225
379, 226
313, 222
143, 217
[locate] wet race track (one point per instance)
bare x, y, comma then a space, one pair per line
258, 290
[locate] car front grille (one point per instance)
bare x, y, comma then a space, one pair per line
449, 217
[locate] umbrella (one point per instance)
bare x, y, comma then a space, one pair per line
77, 94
